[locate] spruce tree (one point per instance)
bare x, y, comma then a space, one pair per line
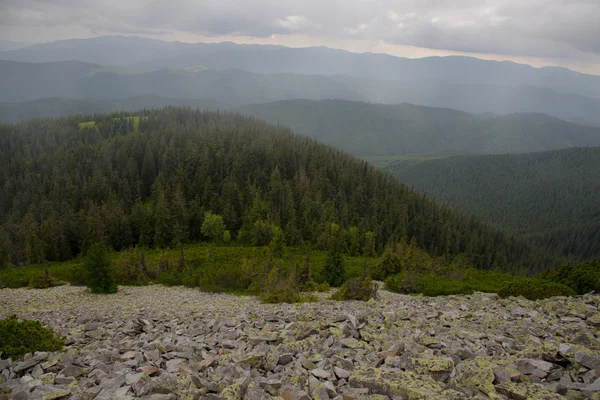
99, 274
334, 270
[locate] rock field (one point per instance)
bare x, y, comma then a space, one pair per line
159, 342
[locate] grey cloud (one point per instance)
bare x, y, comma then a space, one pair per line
539, 28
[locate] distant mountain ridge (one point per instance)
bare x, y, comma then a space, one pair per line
267, 59
78, 80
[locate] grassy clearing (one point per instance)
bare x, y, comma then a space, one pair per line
88, 124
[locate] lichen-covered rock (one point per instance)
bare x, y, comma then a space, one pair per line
477, 375
164, 343
526, 391
406, 384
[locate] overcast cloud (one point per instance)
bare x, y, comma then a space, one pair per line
560, 30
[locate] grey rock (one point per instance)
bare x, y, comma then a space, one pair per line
587, 360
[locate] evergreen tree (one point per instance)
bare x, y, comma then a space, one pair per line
334, 270
99, 274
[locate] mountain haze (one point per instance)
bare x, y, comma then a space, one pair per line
267, 59
78, 80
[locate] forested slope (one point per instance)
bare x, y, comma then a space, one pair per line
550, 196
122, 181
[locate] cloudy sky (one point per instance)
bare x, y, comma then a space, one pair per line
538, 32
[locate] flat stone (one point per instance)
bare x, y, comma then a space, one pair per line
321, 373
208, 362
285, 359
352, 343
150, 370
341, 373
587, 360
528, 366
526, 391
72, 370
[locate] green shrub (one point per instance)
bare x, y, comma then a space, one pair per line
433, 285
131, 268
394, 283
43, 281
281, 294
16, 277
99, 274
533, 289
582, 278
356, 289
314, 287
20, 337
427, 284
403, 283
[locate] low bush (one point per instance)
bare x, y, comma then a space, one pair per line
43, 281
20, 337
402, 283
356, 289
582, 278
428, 285
534, 288
314, 287
283, 294
434, 285
131, 269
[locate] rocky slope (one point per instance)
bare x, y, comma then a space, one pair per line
167, 343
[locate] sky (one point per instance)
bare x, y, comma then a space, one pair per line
537, 32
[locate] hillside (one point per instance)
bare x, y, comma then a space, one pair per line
69, 183
264, 59
360, 128
367, 129
77, 80
551, 196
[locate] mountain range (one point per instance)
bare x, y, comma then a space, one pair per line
121, 67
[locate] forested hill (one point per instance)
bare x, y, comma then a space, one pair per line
367, 129
150, 179
550, 196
